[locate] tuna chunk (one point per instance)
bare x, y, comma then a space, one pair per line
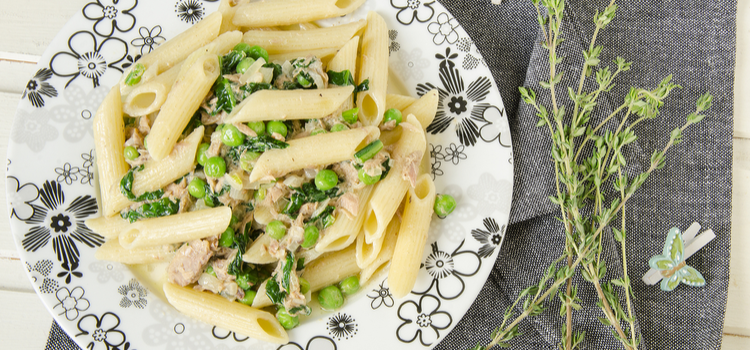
189, 262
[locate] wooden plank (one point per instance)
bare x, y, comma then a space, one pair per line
733, 342
29, 322
738, 305
14, 276
15, 75
742, 73
29, 26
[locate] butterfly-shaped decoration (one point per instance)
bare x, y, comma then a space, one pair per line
671, 264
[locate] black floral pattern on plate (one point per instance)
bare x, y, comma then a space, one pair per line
341, 325
89, 58
38, 87
409, 10
40, 276
472, 59
64, 225
71, 302
381, 296
110, 15
315, 343
436, 156
149, 40
101, 332
393, 45
20, 198
444, 29
454, 153
221, 333
190, 11
457, 103
86, 170
133, 294
490, 238
422, 320
496, 129
448, 271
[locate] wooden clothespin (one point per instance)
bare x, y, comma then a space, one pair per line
670, 265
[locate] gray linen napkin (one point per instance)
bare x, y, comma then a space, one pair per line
695, 41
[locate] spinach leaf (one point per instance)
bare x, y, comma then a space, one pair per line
287, 270
387, 165
276, 69
236, 267
303, 309
343, 78
363, 86
212, 199
251, 88
274, 292
126, 187
225, 96
300, 264
229, 61
325, 216
258, 144
308, 193
194, 122
163, 207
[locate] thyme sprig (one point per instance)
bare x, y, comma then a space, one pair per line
592, 186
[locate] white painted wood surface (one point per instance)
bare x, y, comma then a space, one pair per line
29, 26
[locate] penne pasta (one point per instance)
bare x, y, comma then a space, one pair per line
290, 104
113, 251
182, 102
373, 66
346, 59
285, 12
424, 108
302, 40
257, 253
177, 228
397, 101
385, 254
303, 152
228, 9
412, 237
216, 310
107, 227
346, 228
331, 268
109, 131
178, 48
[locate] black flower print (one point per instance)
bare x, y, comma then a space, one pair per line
381, 296
67, 173
490, 238
435, 169
86, 170
458, 105
38, 87
150, 38
341, 325
90, 59
315, 343
393, 45
473, 58
71, 302
110, 15
436, 156
444, 29
423, 320
133, 294
40, 276
447, 271
220, 333
409, 10
129, 60
189, 11
63, 225
101, 333
454, 153
496, 128
20, 198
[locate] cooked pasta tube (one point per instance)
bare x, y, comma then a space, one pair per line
183, 100
331, 268
367, 252
397, 101
306, 152
258, 251
275, 41
284, 12
183, 227
346, 59
263, 215
228, 9
390, 191
290, 104
412, 237
113, 251
424, 108
385, 254
346, 228
373, 65
217, 310
107, 227
178, 48
109, 137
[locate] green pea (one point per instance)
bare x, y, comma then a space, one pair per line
304, 285
145, 142
244, 65
197, 188
201, 154
326, 179
258, 52
131, 153
392, 114
276, 229
367, 179
231, 136
247, 160
318, 131
227, 238
210, 270
243, 280
339, 127
287, 321
350, 116
244, 47
276, 126
233, 221
215, 167
260, 194
330, 298
311, 236
209, 202
258, 127
349, 285
248, 298
444, 205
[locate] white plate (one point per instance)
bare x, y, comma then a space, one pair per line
101, 305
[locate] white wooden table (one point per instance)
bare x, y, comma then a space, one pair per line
27, 27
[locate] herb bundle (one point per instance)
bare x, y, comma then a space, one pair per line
592, 186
